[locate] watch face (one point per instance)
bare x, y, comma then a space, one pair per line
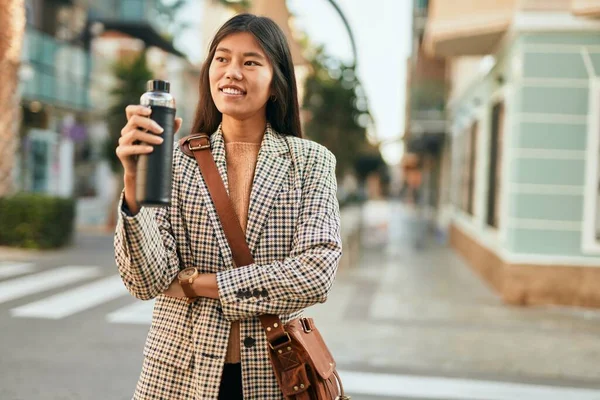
187, 273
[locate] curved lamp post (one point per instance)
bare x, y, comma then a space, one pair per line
350, 34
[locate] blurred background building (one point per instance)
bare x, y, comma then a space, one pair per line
503, 114
426, 162
66, 79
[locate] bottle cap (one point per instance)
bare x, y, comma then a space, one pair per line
157, 85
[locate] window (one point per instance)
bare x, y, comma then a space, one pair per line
591, 210
497, 133
133, 10
468, 170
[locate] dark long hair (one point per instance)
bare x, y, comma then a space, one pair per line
282, 113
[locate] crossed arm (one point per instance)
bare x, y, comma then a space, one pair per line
204, 286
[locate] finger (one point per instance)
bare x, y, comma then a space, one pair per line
131, 150
137, 121
135, 109
135, 135
178, 122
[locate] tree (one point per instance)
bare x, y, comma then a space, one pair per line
12, 21
337, 112
132, 75
169, 16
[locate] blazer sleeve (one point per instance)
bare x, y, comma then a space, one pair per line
145, 251
306, 276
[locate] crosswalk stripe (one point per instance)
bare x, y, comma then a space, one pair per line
72, 301
20, 287
419, 387
10, 269
139, 312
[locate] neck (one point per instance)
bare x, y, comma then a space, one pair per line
249, 130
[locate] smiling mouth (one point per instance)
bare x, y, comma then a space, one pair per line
232, 91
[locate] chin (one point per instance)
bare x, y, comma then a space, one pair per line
235, 113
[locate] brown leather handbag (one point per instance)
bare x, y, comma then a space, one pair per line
303, 365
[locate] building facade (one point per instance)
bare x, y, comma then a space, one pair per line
523, 114
66, 80
425, 165
54, 87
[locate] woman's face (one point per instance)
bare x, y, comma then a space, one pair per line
240, 77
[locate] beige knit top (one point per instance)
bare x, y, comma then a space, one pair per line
241, 163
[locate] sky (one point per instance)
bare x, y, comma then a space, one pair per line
382, 31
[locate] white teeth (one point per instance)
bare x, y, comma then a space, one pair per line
231, 91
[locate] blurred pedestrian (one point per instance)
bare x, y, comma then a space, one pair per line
210, 344
412, 195
411, 179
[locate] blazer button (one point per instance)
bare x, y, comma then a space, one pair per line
249, 342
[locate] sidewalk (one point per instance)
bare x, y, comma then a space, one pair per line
406, 310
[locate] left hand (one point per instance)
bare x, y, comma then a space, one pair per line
175, 290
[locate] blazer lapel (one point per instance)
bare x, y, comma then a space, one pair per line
217, 145
271, 169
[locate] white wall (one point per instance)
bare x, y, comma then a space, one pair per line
461, 72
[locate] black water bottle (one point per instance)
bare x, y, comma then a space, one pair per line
154, 170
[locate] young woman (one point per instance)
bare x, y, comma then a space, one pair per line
283, 189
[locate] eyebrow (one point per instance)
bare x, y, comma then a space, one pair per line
247, 54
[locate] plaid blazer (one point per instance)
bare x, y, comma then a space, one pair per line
293, 232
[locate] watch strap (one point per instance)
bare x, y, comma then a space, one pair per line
188, 290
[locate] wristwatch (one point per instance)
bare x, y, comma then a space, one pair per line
186, 279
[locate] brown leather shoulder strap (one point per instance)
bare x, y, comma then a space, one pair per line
199, 146
183, 145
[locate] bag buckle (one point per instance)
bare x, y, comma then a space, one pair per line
281, 344
198, 147
305, 325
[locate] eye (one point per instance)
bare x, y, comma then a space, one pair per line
220, 59
251, 63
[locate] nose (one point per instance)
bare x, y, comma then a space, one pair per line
233, 72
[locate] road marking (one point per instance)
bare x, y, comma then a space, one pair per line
27, 285
73, 301
360, 383
139, 312
10, 269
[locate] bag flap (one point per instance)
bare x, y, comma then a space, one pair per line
314, 345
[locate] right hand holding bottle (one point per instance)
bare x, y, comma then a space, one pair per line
137, 136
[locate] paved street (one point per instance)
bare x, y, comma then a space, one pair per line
406, 321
